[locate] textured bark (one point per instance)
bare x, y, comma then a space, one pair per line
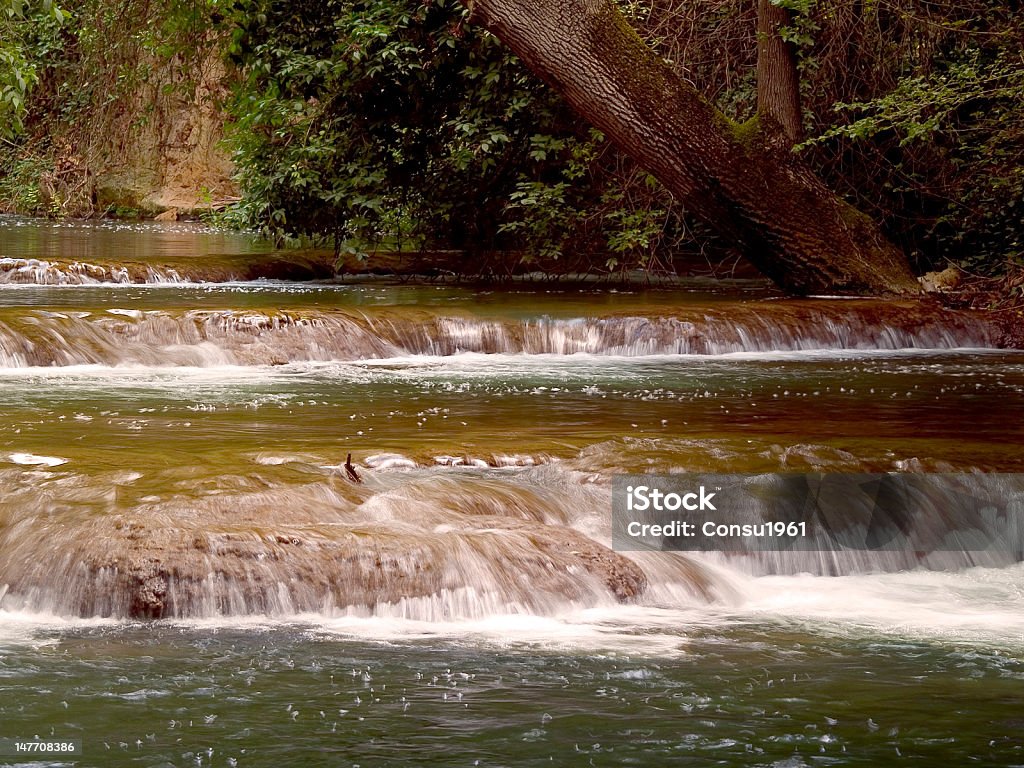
789, 224
778, 82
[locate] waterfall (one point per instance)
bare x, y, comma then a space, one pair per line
843, 523
424, 545
227, 337
15, 271
462, 548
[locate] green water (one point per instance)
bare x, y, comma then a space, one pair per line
124, 241
190, 428
736, 695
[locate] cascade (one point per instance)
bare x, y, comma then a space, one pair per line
230, 337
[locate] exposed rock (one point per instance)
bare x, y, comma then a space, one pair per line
173, 571
154, 149
171, 214
937, 282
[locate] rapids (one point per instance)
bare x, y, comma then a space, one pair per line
174, 450
189, 577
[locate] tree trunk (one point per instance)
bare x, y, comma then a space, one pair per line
778, 82
789, 224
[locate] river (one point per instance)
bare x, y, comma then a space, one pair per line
188, 577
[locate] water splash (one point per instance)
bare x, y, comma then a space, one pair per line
42, 272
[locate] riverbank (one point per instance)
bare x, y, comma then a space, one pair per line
1001, 298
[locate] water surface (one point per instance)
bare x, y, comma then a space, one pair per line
175, 449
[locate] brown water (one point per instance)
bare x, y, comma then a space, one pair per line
175, 450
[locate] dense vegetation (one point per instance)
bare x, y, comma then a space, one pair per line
397, 122
79, 84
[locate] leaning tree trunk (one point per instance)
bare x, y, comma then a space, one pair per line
792, 227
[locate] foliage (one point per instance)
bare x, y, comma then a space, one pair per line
932, 142
19, 186
927, 137
396, 122
74, 88
19, 62
971, 111
383, 119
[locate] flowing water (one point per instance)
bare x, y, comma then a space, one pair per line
189, 577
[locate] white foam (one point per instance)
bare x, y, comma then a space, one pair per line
385, 461
586, 631
272, 461
974, 606
32, 460
38, 629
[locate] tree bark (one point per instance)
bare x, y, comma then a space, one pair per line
778, 81
795, 230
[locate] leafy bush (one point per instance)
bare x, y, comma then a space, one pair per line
927, 133
396, 122
20, 57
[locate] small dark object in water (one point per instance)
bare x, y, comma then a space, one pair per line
351, 470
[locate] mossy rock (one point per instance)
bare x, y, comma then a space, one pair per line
124, 202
